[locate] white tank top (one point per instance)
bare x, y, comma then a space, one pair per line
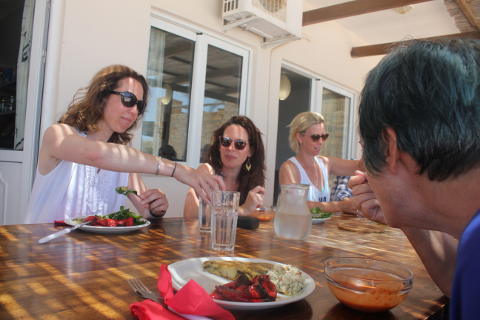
314, 194
74, 190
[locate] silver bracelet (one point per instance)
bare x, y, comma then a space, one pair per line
157, 171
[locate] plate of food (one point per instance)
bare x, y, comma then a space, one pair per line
221, 277
319, 216
122, 221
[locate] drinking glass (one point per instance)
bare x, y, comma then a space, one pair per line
224, 214
204, 216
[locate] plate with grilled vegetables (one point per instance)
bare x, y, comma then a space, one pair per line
244, 284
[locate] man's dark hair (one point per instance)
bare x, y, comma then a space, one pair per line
428, 93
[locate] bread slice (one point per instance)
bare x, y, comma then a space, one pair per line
229, 269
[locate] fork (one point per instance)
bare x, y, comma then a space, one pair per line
139, 288
143, 291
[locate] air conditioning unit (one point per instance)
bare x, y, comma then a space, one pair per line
274, 20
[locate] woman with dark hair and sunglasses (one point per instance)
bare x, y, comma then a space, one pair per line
86, 155
307, 135
237, 154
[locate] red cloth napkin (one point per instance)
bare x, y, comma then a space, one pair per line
57, 223
191, 299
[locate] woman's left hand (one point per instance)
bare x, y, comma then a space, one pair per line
155, 201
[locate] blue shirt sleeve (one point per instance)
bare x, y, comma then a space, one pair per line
464, 303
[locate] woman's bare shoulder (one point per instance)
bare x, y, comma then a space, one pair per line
60, 130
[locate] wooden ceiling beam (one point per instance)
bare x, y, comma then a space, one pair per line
352, 8
467, 11
384, 48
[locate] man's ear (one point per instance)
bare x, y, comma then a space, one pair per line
393, 154
395, 157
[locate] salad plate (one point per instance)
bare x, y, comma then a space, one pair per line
319, 220
191, 269
107, 230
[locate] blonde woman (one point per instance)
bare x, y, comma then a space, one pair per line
306, 138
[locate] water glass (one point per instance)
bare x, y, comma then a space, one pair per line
204, 216
224, 214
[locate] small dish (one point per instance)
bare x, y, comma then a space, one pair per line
264, 214
367, 285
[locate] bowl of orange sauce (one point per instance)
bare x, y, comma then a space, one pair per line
264, 213
366, 284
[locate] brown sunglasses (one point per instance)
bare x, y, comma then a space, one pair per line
316, 137
239, 144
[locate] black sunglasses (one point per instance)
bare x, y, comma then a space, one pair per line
238, 143
316, 137
129, 100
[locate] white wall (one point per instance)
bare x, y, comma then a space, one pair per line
99, 33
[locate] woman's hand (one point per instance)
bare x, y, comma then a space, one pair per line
254, 200
155, 201
364, 199
202, 182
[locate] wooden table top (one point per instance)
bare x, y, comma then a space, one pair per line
84, 275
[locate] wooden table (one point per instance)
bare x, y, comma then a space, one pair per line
83, 275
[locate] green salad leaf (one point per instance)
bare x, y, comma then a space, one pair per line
125, 213
125, 191
319, 214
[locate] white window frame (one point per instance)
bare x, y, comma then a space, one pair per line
202, 40
317, 86
350, 123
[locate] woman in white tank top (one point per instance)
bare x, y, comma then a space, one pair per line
85, 156
307, 135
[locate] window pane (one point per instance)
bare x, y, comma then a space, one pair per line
169, 76
17, 18
222, 92
335, 109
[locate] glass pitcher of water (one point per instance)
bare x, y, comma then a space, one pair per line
293, 219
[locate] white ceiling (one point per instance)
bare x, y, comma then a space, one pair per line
427, 19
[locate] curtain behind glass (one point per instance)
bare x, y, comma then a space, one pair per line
23, 63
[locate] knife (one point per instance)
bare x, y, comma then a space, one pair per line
61, 232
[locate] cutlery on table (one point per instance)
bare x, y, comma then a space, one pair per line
141, 290
62, 232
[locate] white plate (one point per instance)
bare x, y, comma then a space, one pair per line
319, 220
184, 270
102, 229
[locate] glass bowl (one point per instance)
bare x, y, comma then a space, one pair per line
264, 213
366, 284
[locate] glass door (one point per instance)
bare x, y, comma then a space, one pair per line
295, 96
336, 105
24, 25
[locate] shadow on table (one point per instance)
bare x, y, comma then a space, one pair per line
339, 311
293, 311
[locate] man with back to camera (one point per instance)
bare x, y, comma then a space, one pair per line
419, 121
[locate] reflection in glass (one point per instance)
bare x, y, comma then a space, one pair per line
222, 92
169, 76
335, 109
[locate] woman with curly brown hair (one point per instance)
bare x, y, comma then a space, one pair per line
236, 154
85, 156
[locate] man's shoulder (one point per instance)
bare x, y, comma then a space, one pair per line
470, 239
